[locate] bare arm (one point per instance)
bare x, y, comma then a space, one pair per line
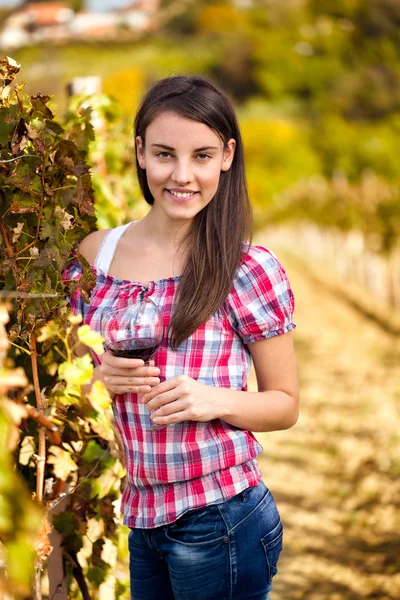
276, 404
273, 407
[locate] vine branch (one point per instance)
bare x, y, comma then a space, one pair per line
42, 438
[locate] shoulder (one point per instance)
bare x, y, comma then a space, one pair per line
259, 259
90, 245
260, 273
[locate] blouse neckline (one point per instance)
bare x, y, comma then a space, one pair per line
127, 282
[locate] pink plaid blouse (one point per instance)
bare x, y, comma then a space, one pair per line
190, 464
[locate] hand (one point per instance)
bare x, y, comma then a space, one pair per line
181, 399
122, 375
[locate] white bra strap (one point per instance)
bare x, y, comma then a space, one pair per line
108, 247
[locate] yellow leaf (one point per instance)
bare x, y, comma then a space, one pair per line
12, 378
99, 397
102, 426
14, 413
48, 331
26, 450
4, 317
77, 372
17, 232
71, 394
92, 339
62, 461
75, 319
34, 252
64, 217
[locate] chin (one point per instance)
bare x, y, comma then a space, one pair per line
183, 213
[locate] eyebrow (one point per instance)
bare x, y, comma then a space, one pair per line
196, 150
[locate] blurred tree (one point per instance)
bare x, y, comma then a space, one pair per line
379, 18
76, 5
234, 68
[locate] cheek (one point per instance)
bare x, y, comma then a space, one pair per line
211, 180
157, 175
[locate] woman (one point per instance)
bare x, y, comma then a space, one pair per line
203, 525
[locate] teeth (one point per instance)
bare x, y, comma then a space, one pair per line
181, 195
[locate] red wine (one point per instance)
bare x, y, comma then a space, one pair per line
145, 353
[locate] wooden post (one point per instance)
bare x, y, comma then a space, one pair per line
55, 565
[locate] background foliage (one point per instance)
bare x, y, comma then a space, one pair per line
46, 209
316, 84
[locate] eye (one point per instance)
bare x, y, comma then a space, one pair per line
164, 154
203, 157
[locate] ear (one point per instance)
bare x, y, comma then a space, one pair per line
140, 152
229, 153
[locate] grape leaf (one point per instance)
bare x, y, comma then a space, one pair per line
77, 372
63, 464
8, 122
93, 452
91, 339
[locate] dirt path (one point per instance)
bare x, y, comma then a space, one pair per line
336, 475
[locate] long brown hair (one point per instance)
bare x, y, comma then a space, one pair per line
219, 230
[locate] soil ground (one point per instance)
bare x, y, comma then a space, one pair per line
335, 475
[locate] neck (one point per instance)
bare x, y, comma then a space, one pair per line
171, 233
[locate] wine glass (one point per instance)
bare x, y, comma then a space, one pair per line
134, 332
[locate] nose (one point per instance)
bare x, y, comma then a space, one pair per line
182, 172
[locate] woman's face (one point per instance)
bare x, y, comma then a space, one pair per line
183, 161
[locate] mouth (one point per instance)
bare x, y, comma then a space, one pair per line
186, 195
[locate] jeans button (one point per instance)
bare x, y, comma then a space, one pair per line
226, 540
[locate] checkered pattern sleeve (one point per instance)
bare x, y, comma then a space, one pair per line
261, 302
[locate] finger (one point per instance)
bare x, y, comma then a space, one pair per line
176, 406
128, 382
161, 399
163, 387
138, 372
177, 417
130, 389
121, 363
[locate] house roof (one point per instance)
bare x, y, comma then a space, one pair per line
48, 13
142, 5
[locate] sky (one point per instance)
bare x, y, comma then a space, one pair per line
96, 5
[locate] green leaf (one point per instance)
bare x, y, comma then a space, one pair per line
93, 452
97, 575
24, 178
77, 372
22, 204
107, 482
20, 551
47, 231
39, 107
66, 523
8, 122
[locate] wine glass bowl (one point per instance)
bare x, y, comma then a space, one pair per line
135, 331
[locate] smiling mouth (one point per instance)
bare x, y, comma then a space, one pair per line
181, 194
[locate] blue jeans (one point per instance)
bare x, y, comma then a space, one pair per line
226, 551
